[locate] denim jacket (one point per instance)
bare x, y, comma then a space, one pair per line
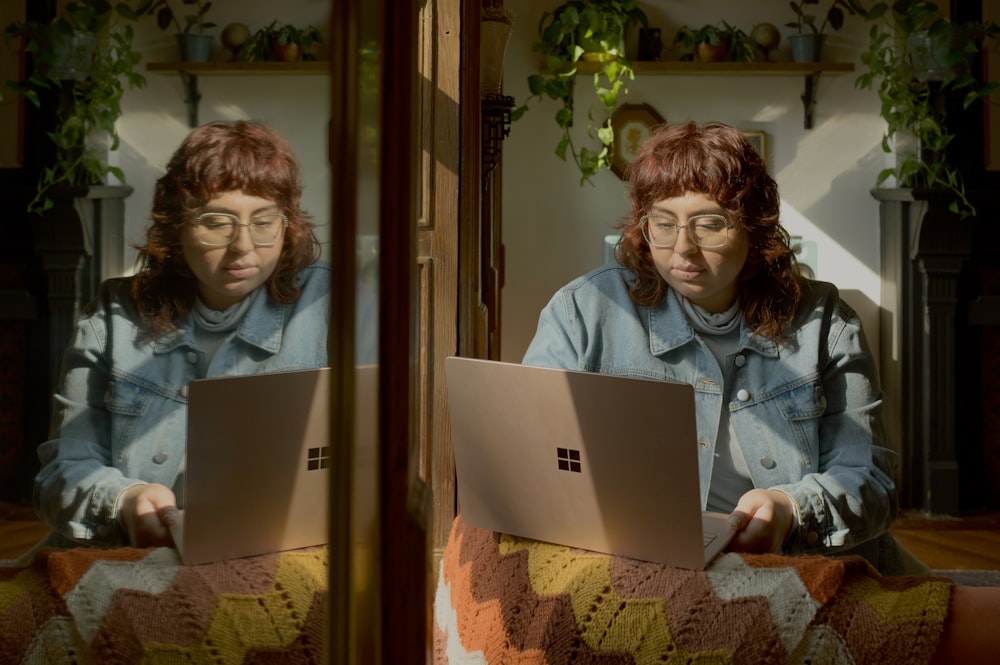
119, 416
807, 413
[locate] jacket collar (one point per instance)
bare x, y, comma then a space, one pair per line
262, 326
669, 329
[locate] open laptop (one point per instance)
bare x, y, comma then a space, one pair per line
257, 469
587, 460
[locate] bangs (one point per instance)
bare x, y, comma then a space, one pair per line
724, 167
256, 172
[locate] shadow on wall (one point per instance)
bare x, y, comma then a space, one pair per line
868, 312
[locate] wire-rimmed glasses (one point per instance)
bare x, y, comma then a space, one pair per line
219, 229
703, 230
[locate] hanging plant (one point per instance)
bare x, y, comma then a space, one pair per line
86, 96
910, 96
590, 31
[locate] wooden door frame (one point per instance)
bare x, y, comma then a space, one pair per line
441, 290
398, 631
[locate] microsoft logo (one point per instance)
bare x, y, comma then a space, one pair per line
319, 458
569, 460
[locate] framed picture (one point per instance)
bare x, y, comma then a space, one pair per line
631, 124
759, 141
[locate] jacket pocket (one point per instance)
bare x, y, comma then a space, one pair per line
802, 407
802, 402
127, 403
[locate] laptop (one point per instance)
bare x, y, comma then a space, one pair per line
591, 461
257, 469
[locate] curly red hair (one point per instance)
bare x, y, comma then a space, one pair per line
718, 161
215, 158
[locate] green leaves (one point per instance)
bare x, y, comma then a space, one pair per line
834, 17
165, 15
909, 99
92, 104
567, 34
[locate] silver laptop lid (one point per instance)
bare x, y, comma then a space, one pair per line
258, 453
588, 460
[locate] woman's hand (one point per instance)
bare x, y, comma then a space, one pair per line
147, 512
762, 519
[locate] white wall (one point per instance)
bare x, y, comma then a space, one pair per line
154, 121
553, 227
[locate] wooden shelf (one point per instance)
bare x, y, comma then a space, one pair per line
241, 68
698, 68
190, 71
809, 71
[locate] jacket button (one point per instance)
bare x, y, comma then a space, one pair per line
742, 395
160, 457
183, 392
767, 462
740, 361
192, 357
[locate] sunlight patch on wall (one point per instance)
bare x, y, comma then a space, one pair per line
772, 113
813, 154
835, 263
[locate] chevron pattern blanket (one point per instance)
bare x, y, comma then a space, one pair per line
132, 605
502, 599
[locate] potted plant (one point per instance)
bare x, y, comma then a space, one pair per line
83, 97
589, 31
913, 97
282, 42
807, 43
192, 42
716, 42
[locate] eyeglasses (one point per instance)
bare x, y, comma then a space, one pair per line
219, 229
703, 230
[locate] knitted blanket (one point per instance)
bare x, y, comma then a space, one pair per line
132, 605
502, 599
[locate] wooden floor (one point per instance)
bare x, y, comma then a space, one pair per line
966, 543
951, 543
19, 530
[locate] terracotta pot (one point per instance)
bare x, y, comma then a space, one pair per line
286, 52
712, 53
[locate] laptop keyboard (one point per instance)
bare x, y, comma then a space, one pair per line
707, 538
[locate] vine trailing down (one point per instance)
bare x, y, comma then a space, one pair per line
87, 103
910, 96
588, 31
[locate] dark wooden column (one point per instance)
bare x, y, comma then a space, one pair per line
924, 250
79, 241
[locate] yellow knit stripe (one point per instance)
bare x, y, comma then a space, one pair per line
925, 602
241, 622
606, 621
22, 582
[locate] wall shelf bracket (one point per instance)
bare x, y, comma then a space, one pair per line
496, 110
191, 96
809, 99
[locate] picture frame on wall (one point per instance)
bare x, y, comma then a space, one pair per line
631, 125
759, 141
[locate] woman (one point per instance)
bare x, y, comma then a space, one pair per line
789, 410
228, 283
